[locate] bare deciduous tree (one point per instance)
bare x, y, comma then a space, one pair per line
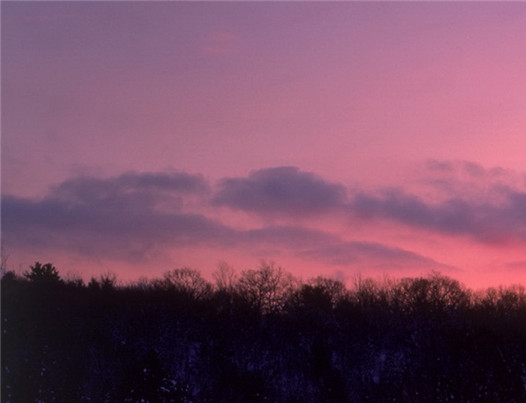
188, 281
266, 288
225, 277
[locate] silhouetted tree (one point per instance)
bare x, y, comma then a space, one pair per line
435, 293
267, 288
334, 289
178, 339
9, 276
108, 281
319, 296
4, 257
225, 277
43, 274
186, 281
105, 282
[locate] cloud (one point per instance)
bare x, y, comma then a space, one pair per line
373, 255
119, 218
465, 169
280, 191
292, 237
453, 216
133, 233
484, 220
486, 205
469, 179
114, 217
459, 198
331, 250
134, 217
130, 184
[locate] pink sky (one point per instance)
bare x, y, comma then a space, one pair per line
333, 138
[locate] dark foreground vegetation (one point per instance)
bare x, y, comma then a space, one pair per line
259, 336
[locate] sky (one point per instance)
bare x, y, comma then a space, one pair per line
333, 138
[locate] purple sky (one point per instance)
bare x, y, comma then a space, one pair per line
333, 138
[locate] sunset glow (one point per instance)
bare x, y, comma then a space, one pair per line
332, 138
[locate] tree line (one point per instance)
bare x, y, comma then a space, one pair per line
259, 336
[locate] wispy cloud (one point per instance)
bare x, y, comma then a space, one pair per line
469, 179
373, 255
329, 249
474, 202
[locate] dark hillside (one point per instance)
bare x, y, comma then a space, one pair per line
262, 336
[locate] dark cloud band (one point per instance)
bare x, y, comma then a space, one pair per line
135, 214
280, 191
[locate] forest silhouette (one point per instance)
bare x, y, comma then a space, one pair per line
260, 335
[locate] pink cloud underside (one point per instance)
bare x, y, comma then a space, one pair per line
135, 217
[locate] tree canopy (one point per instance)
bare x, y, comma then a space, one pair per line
259, 335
